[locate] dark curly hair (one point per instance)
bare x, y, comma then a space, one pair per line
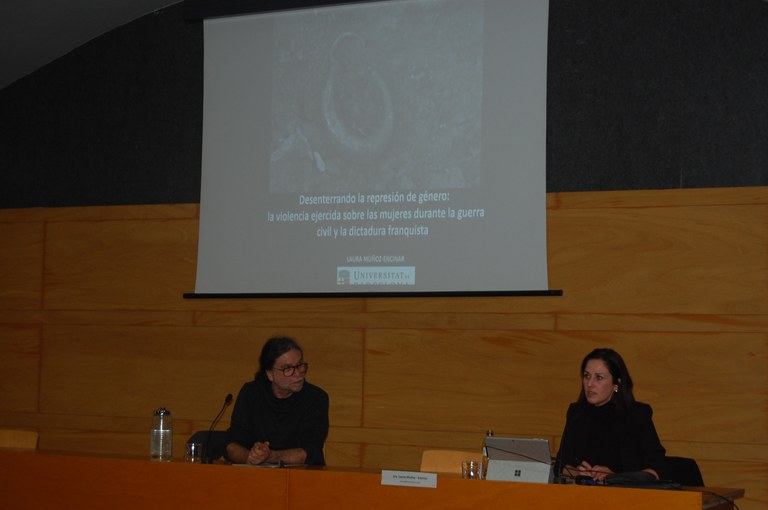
273, 349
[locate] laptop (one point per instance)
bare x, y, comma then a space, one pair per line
515, 459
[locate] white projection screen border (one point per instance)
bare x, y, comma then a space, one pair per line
387, 148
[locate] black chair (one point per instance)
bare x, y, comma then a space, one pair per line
682, 470
213, 450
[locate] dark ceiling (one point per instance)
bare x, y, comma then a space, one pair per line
34, 33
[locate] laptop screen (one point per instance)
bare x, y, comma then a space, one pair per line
520, 449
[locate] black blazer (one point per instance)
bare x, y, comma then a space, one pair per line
620, 439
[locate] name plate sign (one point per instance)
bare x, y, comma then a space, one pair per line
409, 479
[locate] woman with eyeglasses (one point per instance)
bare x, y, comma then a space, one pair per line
279, 417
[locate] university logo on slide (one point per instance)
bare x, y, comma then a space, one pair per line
376, 275
342, 276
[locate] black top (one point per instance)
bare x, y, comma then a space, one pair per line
620, 439
299, 421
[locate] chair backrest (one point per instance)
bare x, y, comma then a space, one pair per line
682, 470
11, 438
217, 447
446, 461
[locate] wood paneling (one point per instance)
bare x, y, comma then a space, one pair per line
126, 265
95, 333
21, 257
119, 370
473, 381
661, 260
19, 368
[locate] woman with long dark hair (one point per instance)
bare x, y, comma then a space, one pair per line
607, 431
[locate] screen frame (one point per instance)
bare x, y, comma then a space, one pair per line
199, 10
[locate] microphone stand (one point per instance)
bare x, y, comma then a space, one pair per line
559, 467
207, 450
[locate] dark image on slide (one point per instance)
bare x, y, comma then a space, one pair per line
379, 99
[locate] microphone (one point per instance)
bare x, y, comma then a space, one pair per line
559, 461
227, 401
559, 478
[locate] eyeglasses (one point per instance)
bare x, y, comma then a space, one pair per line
291, 369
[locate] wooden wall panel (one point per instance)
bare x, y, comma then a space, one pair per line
118, 371
342, 455
468, 381
134, 264
661, 260
404, 457
94, 334
744, 474
232, 311
498, 381
663, 322
354, 317
21, 265
19, 366
129, 371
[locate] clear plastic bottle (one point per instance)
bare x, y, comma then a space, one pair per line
161, 439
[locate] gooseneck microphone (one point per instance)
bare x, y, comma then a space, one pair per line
207, 450
560, 462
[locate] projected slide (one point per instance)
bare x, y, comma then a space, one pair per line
391, 146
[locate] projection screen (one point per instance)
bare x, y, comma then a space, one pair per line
375, 147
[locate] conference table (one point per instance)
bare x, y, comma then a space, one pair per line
39, 480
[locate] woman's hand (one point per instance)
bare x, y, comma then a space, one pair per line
597, 473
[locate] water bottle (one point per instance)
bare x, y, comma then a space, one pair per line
161, 440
